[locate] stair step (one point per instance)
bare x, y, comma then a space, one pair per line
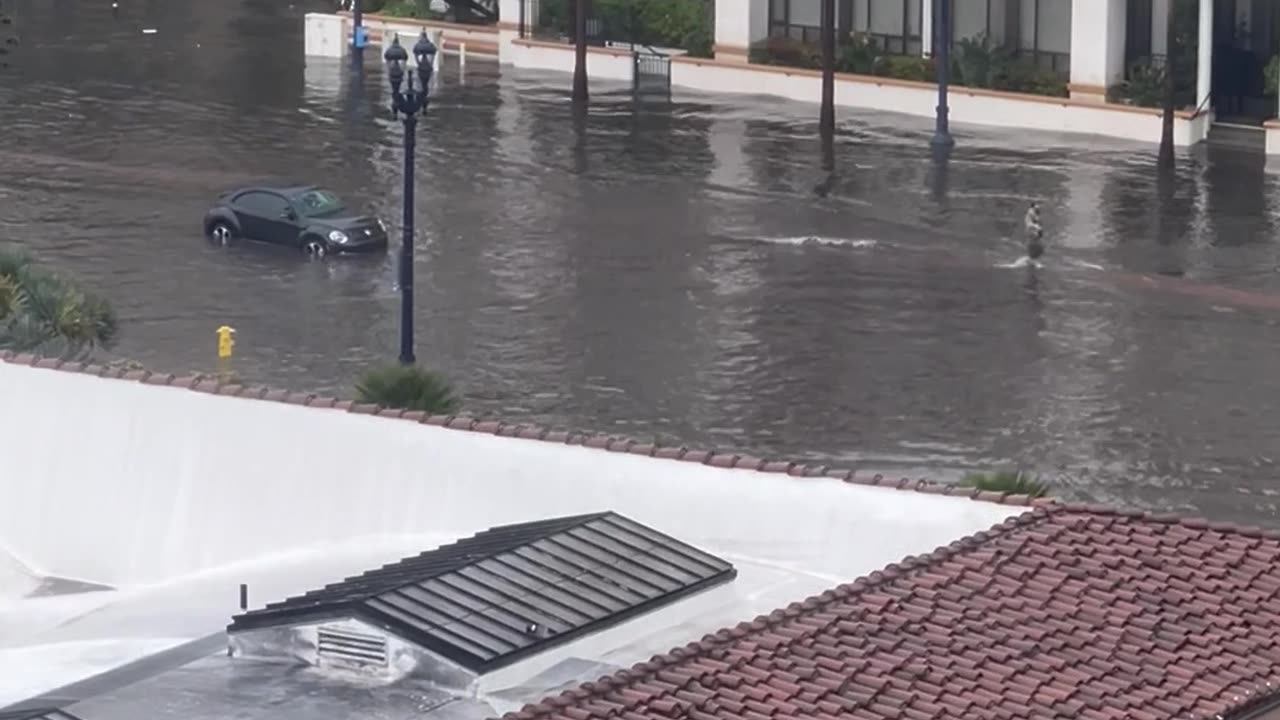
1250, 137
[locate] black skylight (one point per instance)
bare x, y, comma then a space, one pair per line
37, 714
512, 591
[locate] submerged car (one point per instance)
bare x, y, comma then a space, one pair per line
307, 217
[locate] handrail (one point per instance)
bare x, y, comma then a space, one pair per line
1202, 106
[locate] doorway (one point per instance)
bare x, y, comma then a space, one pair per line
1245, 34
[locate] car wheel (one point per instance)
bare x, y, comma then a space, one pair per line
222, 233
316, 248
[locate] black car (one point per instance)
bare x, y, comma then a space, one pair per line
306, 217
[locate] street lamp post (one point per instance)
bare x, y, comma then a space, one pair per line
942, 139
359, 37
407, 104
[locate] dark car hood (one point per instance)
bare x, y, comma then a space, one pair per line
347, 222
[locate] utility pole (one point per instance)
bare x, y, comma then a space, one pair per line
580, 51
359, 37
942, 140
827, 117
1166, 157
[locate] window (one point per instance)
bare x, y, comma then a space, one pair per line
892, 25
316, 203
262, 204
1039, 31
1044, 35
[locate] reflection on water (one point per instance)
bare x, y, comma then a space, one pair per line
701, 270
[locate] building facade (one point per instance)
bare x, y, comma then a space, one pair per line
1096, 46
1088, 41
1103, 60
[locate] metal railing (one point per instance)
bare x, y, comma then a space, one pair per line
651, 72
887, 43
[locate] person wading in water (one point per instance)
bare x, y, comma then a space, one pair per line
1035, 232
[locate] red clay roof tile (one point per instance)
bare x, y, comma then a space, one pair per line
1041, 617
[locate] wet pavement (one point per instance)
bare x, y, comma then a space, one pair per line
641, 270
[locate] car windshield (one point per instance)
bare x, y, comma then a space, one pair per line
314, 203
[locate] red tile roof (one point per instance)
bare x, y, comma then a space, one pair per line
1059, 612
611, 443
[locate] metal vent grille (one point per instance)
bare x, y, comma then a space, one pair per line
351, 647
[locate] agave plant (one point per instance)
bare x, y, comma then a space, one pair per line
1011, 483
42, 313
409, 388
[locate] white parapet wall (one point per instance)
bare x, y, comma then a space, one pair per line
329, 35
602, 63
968, 105
167, 481
1272, 128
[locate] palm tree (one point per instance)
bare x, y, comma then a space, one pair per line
827, 116
580, 51
1012, 483
1166, 158
409, 388
42, 313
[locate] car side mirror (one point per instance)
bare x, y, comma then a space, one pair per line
289, 214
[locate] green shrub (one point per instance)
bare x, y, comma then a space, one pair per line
789, 52
699, 42
1145, 86
686, 24
974, 60
1022, 76
907, 67
42, 312
857, 56
408, 387
1271, 76
1011, 483
416, 9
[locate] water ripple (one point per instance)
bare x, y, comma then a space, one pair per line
691, 271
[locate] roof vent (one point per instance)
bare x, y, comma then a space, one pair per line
509, 592
351, 648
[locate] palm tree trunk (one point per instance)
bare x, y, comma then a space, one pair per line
580, 51
1166, 159
827, 117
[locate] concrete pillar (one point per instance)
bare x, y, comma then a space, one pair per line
1204, 59
926, 27
739, 25
509, 27
1097, 47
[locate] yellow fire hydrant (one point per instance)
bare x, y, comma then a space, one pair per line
226, 342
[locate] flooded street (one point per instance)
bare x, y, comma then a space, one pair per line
642, 272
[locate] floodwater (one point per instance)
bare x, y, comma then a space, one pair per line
642, 270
